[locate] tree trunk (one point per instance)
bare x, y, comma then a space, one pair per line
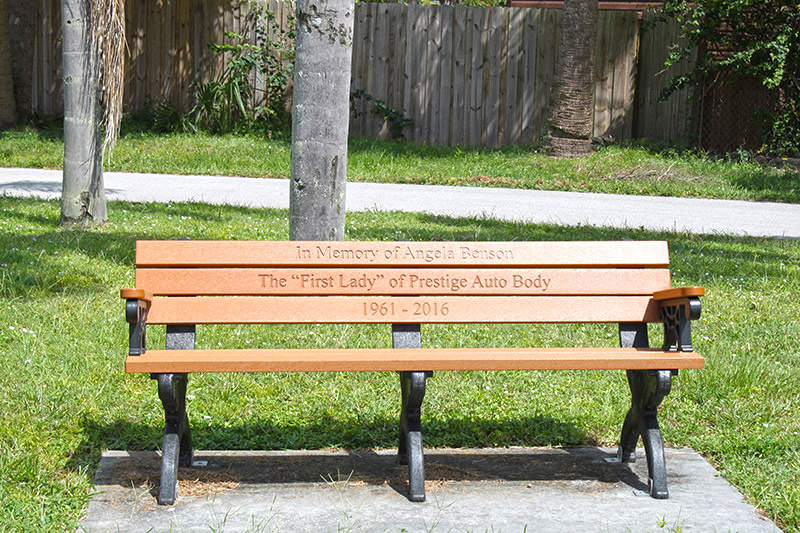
320, 119
571, 112
8, 109
83, 200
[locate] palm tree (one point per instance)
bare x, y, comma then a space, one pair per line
8, 110
572, 102
93, 41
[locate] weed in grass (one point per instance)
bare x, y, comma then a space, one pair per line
64, 397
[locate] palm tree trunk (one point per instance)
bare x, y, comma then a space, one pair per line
571, 112
8, 109
320, 119
83, 201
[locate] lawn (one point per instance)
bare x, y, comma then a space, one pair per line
64, 397
623, 169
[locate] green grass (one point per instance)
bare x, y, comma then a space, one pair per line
623, 169
64, 397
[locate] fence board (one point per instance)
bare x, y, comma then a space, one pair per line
48, 24
480, 19
420, 59
459, 64
528, 78
432, 79
397, 62
493, 54
408, 69
515, 57
604, 76
370, 124
626, 93
184, 53
358, 66
442, 135
503, 79
381, 76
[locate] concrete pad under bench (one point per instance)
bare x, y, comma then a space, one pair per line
545, 489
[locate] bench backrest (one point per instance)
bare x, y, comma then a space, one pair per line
239, 282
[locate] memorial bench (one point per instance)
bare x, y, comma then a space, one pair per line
406, 284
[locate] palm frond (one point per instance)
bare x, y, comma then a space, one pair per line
108, 42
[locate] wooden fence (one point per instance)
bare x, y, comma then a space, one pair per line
464, 75
482, 76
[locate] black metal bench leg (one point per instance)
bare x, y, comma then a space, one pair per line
626, 453
648, 389
654, 449
412, 385
410, 446
177, 447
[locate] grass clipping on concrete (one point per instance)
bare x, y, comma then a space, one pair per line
64, 397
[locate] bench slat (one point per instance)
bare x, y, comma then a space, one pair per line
401, 310
401, 281
444, 254
344, 360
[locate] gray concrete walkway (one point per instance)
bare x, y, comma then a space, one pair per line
763, 219
496, 490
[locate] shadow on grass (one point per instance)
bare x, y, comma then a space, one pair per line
47, 129
768, 182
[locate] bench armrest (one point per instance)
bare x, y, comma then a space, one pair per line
137, 305
136, 294
678, 292
677, 308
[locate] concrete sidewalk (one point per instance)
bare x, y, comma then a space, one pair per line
762, 219
565, 490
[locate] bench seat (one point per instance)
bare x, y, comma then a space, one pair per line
410, 360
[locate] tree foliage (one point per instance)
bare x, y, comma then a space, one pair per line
760, 38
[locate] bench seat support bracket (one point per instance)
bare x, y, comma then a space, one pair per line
412, 385
648, 389
177, 447
677, 316
136, 316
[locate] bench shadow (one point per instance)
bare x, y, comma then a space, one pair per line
227, 468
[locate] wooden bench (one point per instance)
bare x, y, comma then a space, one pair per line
405, 284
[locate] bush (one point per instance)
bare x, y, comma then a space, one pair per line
760, 38
230, 101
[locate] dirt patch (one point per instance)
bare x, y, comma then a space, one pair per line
487, 180
144, 475
438, 476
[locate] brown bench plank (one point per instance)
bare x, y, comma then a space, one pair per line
445, 254
401, 310
400, 281
346, 360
